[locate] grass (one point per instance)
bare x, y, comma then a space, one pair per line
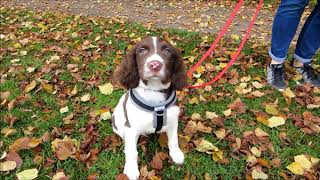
114, 39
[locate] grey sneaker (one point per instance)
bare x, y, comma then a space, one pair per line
275, 76
308, 75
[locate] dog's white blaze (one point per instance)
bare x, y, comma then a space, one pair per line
155, 44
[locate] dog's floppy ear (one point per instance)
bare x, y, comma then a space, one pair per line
127, 74
179, 75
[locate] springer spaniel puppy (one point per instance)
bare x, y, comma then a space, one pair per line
152, 71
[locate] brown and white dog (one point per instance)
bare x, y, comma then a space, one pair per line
153, 69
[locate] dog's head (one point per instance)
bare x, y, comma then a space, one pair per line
152, 61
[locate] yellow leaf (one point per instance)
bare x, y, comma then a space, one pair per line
259, 175
260, 133
194, 100
28, 174
257, 93
8, 131
304, 162
64, 109
245, 79
255, 151
85, 97
275, 121
295, 168
23, 53
227, 112
223, 65
4, 154
131, 35
34, 142
211, 115
205, 146
59, 175
106, 89
17, 45
257, 85
74, 91
105, 115
8, 165
220, 133
30, 86
54, 58
195, 116
288, 93
235, 37
217, 156
48, 88
200, 69
272, 109
74, 35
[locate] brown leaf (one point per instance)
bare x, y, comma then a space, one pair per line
30, 86
13, 156
157, 162
238, 106
93, 176
163, 140
19, 144
122, 177
63, 148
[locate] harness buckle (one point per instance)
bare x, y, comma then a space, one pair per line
160, 108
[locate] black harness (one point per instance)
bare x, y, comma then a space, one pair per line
159, 110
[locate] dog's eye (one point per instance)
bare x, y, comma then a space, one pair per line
143, 51
166, 51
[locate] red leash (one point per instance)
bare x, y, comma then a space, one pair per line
214, 44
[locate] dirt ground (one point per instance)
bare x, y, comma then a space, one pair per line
204, 16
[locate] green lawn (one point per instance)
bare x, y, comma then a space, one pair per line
95, 45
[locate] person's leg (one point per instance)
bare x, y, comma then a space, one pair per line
308, 43
309, 38
284, 27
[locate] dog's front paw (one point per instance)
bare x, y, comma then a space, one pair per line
177, 155
131, 171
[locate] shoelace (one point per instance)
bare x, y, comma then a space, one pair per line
278, 72
309, 71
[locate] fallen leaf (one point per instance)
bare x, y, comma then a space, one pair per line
257, 85
105, 115
8, 165
27, 174
255, 151
30, 86
59, 176
106, 89
304, 162
295, 168
272, 109
211, 115
196, 116
227, 112
288, 93
4, 154
259, 174
13, 156
205, 146
19, 144
220, 133
64, 110
275, 121
85, 98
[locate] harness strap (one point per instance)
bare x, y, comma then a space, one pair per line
159, 110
